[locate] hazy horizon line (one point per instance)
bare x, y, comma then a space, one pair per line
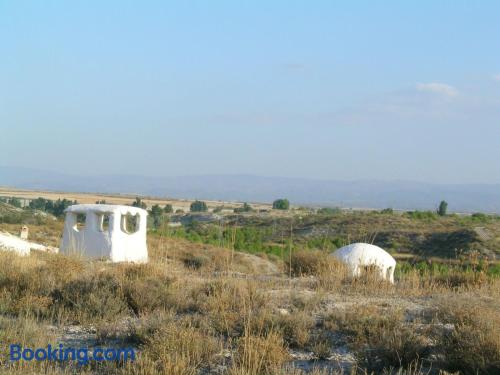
320, 179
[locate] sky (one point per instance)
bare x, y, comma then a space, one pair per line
343, 90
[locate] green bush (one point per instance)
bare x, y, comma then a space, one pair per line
139, 203
245, 208
281, 204
443, 206
218, 209
198, 206
56, 208
422, 215
16, 202
329, 211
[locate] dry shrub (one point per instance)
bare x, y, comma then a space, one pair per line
307, 262
133, 272
180, 348
147, 295
227, 302
456, 279
397, 347
26, 283
369, 283
196, 262
22, 281
146, 287
413, 284
259, 354
23, 331
142, 329
64, 268
473, 346
333, 276
33, 305
321, 349
314, 371
380, 338
471, 350
203, 257
294, 327
91, 298
329, 272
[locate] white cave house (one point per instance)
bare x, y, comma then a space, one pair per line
359, 256
106, 231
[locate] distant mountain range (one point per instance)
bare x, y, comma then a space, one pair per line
406, 195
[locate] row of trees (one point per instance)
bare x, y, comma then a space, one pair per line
13, 201
278, 204
157, 211
201, 206
55, 208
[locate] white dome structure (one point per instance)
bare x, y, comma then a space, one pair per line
106, 231
359, 255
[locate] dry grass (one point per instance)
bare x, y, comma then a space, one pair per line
199, 309
258, 351
178, 347
380, 338
473, 345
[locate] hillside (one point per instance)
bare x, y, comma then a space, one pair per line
199, 308
419, 234
301, 191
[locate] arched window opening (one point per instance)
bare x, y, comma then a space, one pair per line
130, 223
103, 222
81, 220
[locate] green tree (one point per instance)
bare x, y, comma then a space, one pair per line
157, 215
38, 204
443, 207
245, 208
59, 206
198, 206
281, 204
329, 211
139, 203
168, 209
16, 202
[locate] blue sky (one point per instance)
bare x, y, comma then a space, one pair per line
320, 89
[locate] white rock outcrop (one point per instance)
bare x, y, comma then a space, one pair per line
105, 232
360, 255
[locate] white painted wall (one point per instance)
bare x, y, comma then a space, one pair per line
10, 242
114, 242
